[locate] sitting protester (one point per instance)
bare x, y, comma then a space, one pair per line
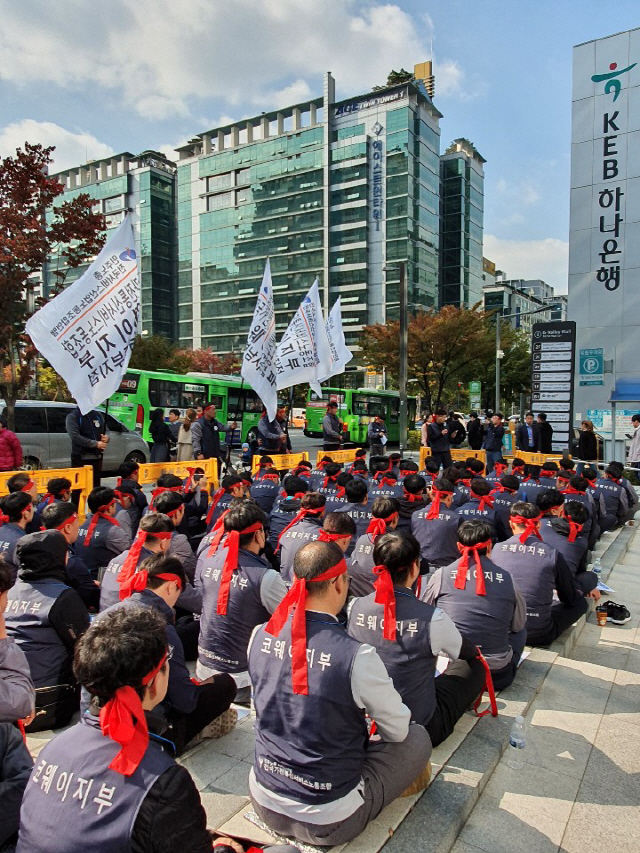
577, 489
386, 486
384, 518
357, 506
315, 776
562, 527
436, 528
113, 757
505, 494
538, 570
23, 483
173, 505
125, 506
46, 618
64, 517
286, 508
482, 601
615, 498
406, 467
239, 591
339, 528
360, 471
58, 491
17, 698
231, 487
337, 499
264, 489
480, 505
329, 484
409, 634
318, 474
101, 538
499, 469
304, 527
518, 468
17, 512
192, 711
461, 491
414, 498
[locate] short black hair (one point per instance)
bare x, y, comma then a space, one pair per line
57, 514
361, 453
168, 502
356, 491
57, 485
383, 507
174, 412
292, 485
155, 522
230, 481
398, 551
119, 650
443, 485
579, 483
576, 511
589, 474
17, 482
510, 482
533, 471
475, 465
480, 487
529, 415
613, 471
332, 469
168, 481
100, 496
162, 564
360, 466
452, 474
414, 484
127, 469
440, 412
542, 416
14, 505
408, 465
343, 478
314, 559
474, 531
313, 500
567, 464
550, 465
246, 514
516, 462
549, 499
524, 509
339, 522
431, 465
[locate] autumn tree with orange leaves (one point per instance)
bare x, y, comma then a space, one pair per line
33, 227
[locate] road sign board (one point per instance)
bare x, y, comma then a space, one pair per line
591, 363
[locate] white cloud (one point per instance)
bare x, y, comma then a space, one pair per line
546, 259
71, 148
163, 59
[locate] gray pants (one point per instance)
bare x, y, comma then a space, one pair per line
389, 769
376, 449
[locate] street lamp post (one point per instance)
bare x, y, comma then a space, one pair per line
401, 266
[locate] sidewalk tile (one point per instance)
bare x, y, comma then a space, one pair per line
552, 750
221, 807
234, 781
615, 760
594, 824
533, 790
205, 765
573, 723
239, 744
462, 847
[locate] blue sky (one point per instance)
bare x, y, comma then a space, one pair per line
124, 75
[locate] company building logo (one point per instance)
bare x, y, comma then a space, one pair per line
128, 255
612, 84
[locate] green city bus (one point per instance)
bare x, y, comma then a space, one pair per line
357, 407
141, 391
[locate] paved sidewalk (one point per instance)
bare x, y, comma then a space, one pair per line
579, 791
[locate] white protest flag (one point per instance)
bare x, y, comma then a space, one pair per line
341, 355
257, 363
298, 356
87, 331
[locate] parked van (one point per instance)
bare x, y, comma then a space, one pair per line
40, 426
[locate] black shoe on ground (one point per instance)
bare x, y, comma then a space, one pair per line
616, 613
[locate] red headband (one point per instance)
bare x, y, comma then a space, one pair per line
189, 480
274, 477
517, 469
217, 532
138, 581
386, 596
498, 488
296, 598
47, 499
95, 518
378, 526
69, 520
130, 565
29, 486
330, 478
571, 491
411, 498
434, 509
232, 544
300, 515
530, 528
463, 566
325, 536
387, 481
499, 467
122, 720
208, 406
160, 490
4, 519
216, 498
574, 528
485, 500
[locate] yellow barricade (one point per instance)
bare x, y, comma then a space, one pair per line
150, 471
538, 458
338, 455
281, 461
457, 455
81, 478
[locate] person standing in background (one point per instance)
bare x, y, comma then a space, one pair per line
528, 435
88, 434
377, 434
331, 428
10, 448
438, 437
546, 434
185, 443
161, 435
633, 457
588, 444
493, 441
475, 431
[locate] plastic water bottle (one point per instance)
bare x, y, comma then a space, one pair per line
597, 566
517, 742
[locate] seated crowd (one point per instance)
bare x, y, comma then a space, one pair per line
359, 609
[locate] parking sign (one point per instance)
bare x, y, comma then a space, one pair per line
592, 366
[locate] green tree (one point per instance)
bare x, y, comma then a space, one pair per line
34, 226
515, 369
154, 352
395, 78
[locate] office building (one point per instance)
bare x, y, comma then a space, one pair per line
514, 299
461, 225
144, 184
604, 234
338, 190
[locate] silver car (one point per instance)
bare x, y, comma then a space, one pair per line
40, 426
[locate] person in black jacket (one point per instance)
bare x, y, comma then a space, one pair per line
546, 434
475, 431
438, 438
528, 435
88, 434
457, 432
493, 440
162, 437
587, 445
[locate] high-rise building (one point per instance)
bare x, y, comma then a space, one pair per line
514, 300
338, 190
461, 225
144, 184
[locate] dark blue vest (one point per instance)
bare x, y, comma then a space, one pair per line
300, 534
502, 503
74, 803
96, 555
361, 577
471, 510
573, 552
395, 491
361, 514
483, 619
109, 586
223, 640
532, 566
438, 537
410, 661
264, 493
221, 506
309, 748
27, 619
281, 514
460, 496
9, 535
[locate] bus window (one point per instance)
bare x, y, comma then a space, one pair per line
252, 402
394, 410
316, 402
164, 393
191, 395
368, 406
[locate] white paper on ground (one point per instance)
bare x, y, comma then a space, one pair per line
602, 587
523, 657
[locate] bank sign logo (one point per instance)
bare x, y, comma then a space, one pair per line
613, 84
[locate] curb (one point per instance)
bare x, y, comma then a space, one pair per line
437, 819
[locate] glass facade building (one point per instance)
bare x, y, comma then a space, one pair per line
145, 185
461, 225
341, 191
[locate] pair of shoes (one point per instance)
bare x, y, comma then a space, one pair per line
219, 727
616, 613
